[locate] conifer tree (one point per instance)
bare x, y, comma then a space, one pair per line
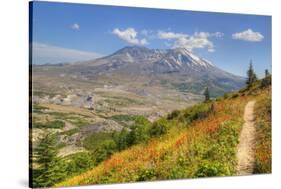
267, 73
121, 139
251, 75
50, 168
207, 94
266, 81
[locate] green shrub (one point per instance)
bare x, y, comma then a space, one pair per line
78, 121
174, 114
104, 150
127, 119
210, 169
235, 95
147, 174
78, 163
138, 134
196, 112
176, 172
120, 118
38, 108
139, 131
57, 124
141, 120
159, 127
121, 139
93, 141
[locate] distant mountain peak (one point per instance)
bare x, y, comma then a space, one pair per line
133, 49
178, 67
158, 60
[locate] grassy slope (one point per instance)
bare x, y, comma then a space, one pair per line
263, 146
204, 147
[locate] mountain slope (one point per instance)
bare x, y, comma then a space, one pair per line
140, 68
203, 146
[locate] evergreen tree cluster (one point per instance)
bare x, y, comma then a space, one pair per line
48, 168
252, 77
45, 156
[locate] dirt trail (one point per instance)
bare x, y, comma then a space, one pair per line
245, 154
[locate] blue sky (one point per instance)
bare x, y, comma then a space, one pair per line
75, 32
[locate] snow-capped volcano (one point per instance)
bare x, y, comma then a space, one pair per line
179, 67
181, 60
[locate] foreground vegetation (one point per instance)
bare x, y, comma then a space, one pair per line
200, 141
194, 145
196, 142
263, 151
200, 147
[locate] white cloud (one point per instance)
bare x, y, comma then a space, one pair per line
211, 50
75, 26
207, 34
190, 42
130, 36
194, 42
248, 35
45, 53
171, 35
